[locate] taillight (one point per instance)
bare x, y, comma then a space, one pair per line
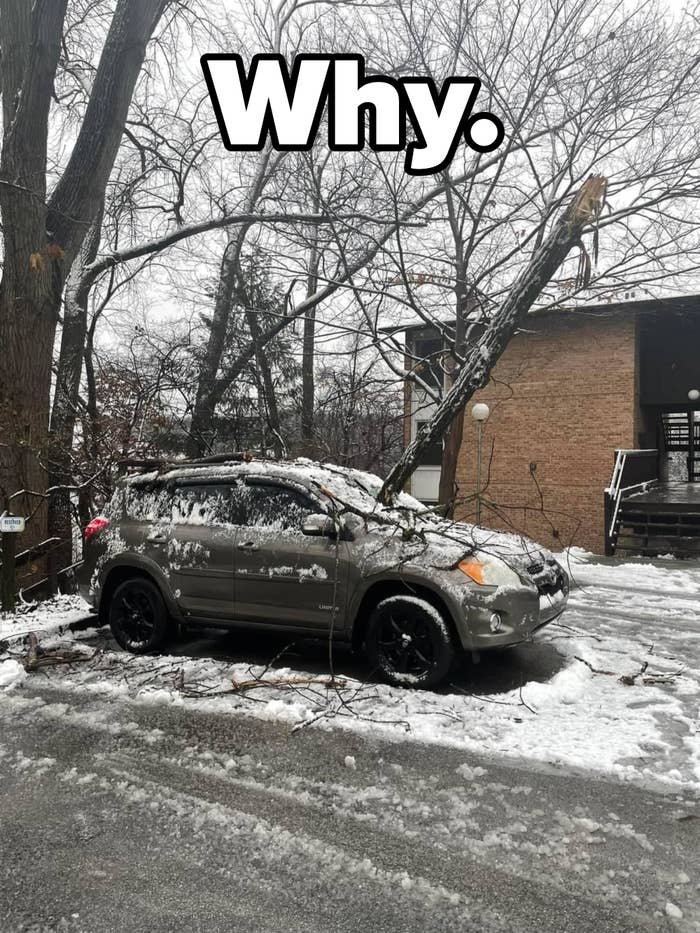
94, 527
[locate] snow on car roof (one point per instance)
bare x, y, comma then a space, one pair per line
353, 488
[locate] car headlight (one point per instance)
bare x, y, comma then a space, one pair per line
487, 570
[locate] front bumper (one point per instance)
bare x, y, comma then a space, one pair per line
521, 611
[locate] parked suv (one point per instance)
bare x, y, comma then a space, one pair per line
308, 548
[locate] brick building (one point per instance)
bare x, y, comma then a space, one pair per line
572, 389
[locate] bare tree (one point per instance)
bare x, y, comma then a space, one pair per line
42, 236
587, 73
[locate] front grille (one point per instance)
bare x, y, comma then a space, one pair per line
548, 577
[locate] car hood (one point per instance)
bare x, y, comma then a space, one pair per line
442, 544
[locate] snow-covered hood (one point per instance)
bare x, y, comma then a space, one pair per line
423, 540
517, 551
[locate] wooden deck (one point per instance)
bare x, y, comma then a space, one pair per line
667, 497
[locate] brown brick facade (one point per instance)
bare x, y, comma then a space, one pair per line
563, 398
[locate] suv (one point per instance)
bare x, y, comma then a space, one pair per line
308, 548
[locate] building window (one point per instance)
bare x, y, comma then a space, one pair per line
432, 455
426, 360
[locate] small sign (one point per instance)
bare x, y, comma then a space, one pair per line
10, 524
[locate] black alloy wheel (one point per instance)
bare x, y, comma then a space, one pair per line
409, 643
138, 616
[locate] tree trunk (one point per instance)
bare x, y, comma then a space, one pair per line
308, 353
267, 385
32, 274
452, 441
80, 190
209, 389
65, 404
486, 352
39, 243
8, 576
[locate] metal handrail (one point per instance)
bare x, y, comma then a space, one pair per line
616, 489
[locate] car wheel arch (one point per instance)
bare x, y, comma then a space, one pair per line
117, 574
382, 589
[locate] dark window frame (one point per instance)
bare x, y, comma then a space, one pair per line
430, 456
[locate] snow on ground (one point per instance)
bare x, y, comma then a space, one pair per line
43, 618
620, 616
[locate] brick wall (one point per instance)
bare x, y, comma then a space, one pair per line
563, 397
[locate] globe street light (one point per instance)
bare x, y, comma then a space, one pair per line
694, 395
480, 413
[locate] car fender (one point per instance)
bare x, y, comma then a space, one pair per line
141, 562
403, 578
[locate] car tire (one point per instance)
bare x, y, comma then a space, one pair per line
409, 643
138, 616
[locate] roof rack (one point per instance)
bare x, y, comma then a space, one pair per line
136, 464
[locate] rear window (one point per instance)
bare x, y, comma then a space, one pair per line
196, 504
203, 505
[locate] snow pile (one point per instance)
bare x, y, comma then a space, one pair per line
50, 616
12, 673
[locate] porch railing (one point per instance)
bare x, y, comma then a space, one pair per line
633, 471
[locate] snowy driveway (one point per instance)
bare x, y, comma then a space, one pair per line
130, 817
193, 764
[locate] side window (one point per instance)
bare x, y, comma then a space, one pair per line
277, 507
202, 505
145, 503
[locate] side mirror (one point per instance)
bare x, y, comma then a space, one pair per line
319, 526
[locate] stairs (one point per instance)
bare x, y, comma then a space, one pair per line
657, 531
646, 516
682, 432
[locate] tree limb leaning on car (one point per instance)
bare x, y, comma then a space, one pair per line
565, 234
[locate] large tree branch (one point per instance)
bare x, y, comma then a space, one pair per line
79, 192
485, 353
31, 43
92, 271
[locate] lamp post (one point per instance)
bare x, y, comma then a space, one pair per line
693, 396
480, 413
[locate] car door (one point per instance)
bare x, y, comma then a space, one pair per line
198, 550
282, 575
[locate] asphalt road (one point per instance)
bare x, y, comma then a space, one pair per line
119, 816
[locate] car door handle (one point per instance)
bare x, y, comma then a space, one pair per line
157, 539
247, 546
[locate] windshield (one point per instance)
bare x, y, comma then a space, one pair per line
358, 490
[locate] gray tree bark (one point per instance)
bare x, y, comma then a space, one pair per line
41, 240
66, 401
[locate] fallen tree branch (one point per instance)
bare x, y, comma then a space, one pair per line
485, 353
630, 680
240, 686
38, 657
